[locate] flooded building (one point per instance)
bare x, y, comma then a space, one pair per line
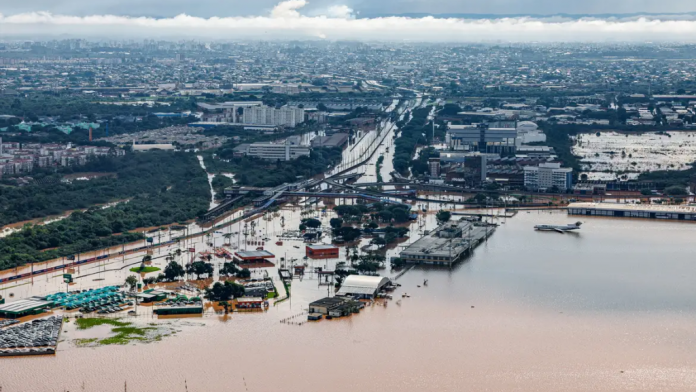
648, 211
362, 287
447, 244
321, 250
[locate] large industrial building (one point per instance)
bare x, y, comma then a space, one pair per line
548, 175
481, 138
447, 244
291, 149
528, 132
647, 211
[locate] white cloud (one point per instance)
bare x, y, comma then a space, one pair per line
286, 22
339, 11
288, 9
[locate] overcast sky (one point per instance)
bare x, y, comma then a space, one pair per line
209, 8
347, 19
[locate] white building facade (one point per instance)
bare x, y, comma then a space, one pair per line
266, 115
548, 175
274, 152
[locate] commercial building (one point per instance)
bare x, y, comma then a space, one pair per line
251, 303
362, 287
481, 138
647, 211
253, 256
266, 115
548, 175
322, 251
447, 244
274, 152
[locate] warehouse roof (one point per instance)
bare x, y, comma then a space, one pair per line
23, 305
362, 284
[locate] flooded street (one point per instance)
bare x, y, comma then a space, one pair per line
609, 308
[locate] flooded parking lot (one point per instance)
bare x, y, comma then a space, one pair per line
615, 155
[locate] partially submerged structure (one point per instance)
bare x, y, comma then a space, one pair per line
362, 286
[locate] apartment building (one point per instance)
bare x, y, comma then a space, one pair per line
266, 115
548, 175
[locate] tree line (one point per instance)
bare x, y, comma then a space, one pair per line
172, 188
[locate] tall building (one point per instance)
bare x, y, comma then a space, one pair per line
266, 115
481, 138
548, 175
434, 166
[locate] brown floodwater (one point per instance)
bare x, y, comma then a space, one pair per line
611, 308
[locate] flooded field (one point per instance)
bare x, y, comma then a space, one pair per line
615, 155
608, 308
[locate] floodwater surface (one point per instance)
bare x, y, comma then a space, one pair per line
610, 308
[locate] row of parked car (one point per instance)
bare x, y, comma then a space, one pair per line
33, 334
105, 308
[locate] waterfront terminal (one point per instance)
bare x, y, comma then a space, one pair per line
648, 211
448, 243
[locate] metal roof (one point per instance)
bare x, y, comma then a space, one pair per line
362, 284
255, 254
23, 305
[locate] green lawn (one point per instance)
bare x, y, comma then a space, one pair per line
86, 323
124, 331
138, 270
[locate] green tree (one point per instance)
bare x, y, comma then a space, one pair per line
312, 223
229, 269
676, 190
173, 271
244, 273
132, 282
443, 216
336, 223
